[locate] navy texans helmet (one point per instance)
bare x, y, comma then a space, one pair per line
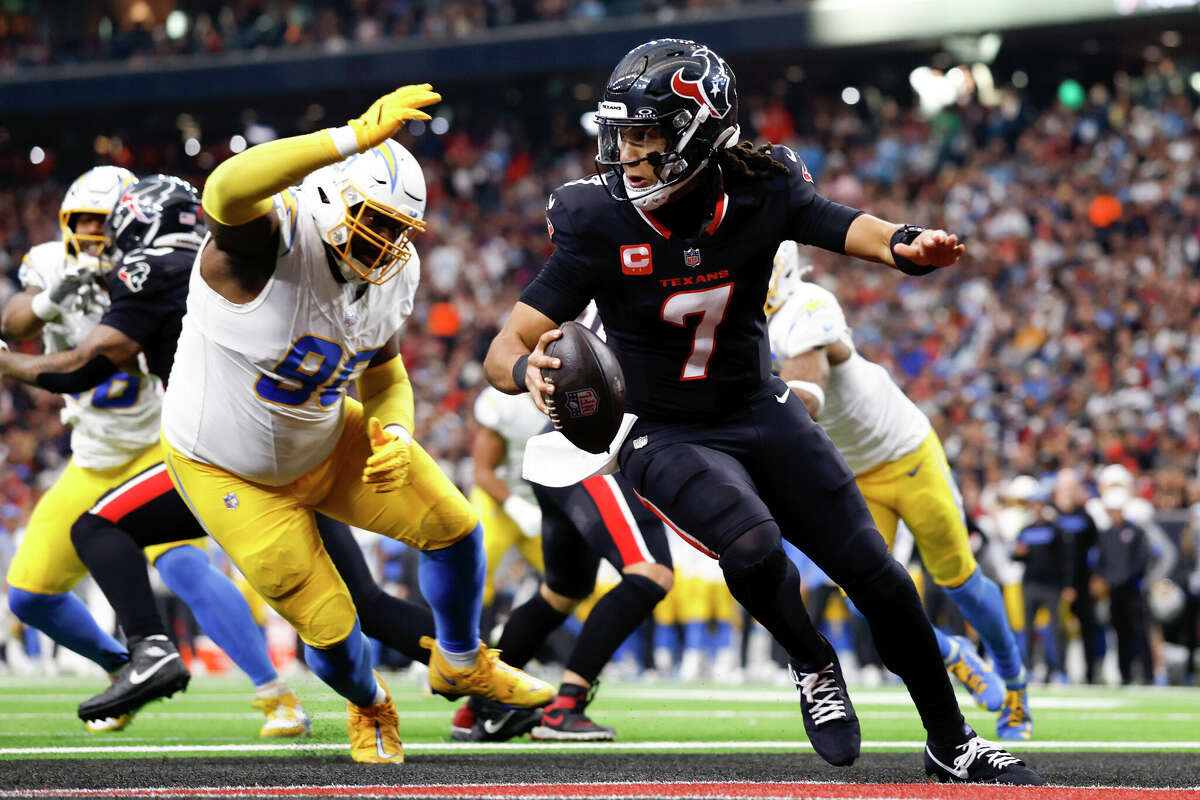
158, 210
685, 89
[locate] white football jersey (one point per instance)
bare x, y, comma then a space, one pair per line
117, 420
870, 420
515, 418
257, 388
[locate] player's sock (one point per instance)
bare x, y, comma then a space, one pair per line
614, 617
117, 564
527, 628
719, 638
763, 579
946, 646
391, 621
451, 580
65, 619
694, 636
982, 604
346, 667
219, 607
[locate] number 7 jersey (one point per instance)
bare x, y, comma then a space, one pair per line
257, 388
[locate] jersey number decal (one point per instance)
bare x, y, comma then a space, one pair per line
311, 362
710, 304
119, 391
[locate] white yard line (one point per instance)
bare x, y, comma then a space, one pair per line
509, 747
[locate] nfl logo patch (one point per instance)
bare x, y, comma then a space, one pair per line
231, 501
582, 402
691, 257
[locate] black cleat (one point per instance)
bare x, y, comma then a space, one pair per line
564, 721
977, 761
495, 722
154, 670
829, 718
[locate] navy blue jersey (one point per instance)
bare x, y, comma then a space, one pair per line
149, 298
684, 316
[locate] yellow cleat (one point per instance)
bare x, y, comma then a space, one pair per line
109, 724
1015, 722
375, 731
489, 678
285, 716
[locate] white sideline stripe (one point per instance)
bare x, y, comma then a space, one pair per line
861, 700
510, 747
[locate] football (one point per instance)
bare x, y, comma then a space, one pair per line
589, 389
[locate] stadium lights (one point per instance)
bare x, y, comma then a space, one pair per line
1195, 82
587, 120
176, 25
257, 133
238, 143
1019, 79
851, 96
416, 127
37, 155
439, 125
192, 146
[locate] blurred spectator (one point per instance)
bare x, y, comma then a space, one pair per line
1124, 559
1049, 579
1080, 531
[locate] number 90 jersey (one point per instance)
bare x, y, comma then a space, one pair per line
683, 316
257, 388
117, 420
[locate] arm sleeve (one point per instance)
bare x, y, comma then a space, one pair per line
566, 283
814, 219
89, 376
240, 188
387, 394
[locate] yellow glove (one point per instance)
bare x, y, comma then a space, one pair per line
388, 113
387, 466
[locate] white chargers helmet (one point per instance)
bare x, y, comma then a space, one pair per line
786, 276
94, 192
1114, 476
367, 209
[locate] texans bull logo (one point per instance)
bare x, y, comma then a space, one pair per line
711, 89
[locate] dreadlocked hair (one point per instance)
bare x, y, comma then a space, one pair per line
745, 162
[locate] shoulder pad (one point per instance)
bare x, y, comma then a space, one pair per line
43, 263
787, 156
571, 205
811, 317
489, 408
287, 208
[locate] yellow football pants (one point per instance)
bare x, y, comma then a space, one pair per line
271, 534
695, 599
500, 534
919, 489
46, 562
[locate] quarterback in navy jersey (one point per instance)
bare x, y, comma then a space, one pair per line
675, 239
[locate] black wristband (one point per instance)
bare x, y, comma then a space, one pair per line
518, 372
907, 235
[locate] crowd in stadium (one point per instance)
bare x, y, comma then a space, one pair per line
206, 27
1069, 339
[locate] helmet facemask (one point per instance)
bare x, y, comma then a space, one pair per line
83, 248
373, 241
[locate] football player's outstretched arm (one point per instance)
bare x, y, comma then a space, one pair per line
519, 352
94, 361
18, 320
874, 239
237, 196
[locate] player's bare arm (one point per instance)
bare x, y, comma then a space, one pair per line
238, 195
487, 453
18, 320
526, 333
807, 374
870, 239
95, 360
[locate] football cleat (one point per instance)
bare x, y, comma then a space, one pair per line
981, 680
109, 724
977, 761
829, 718
498, 723
154, 670
285, 716
1015, 722
375, 731
564, 721
463, 721
489, 678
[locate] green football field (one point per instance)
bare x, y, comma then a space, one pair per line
214, 718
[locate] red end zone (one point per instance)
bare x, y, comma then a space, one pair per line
588, 791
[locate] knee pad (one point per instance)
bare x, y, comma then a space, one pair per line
647, 588
753, 548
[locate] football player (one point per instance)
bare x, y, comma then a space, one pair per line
600, 517
502, 498
674, 238
299, 290
899, 466
113, 405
